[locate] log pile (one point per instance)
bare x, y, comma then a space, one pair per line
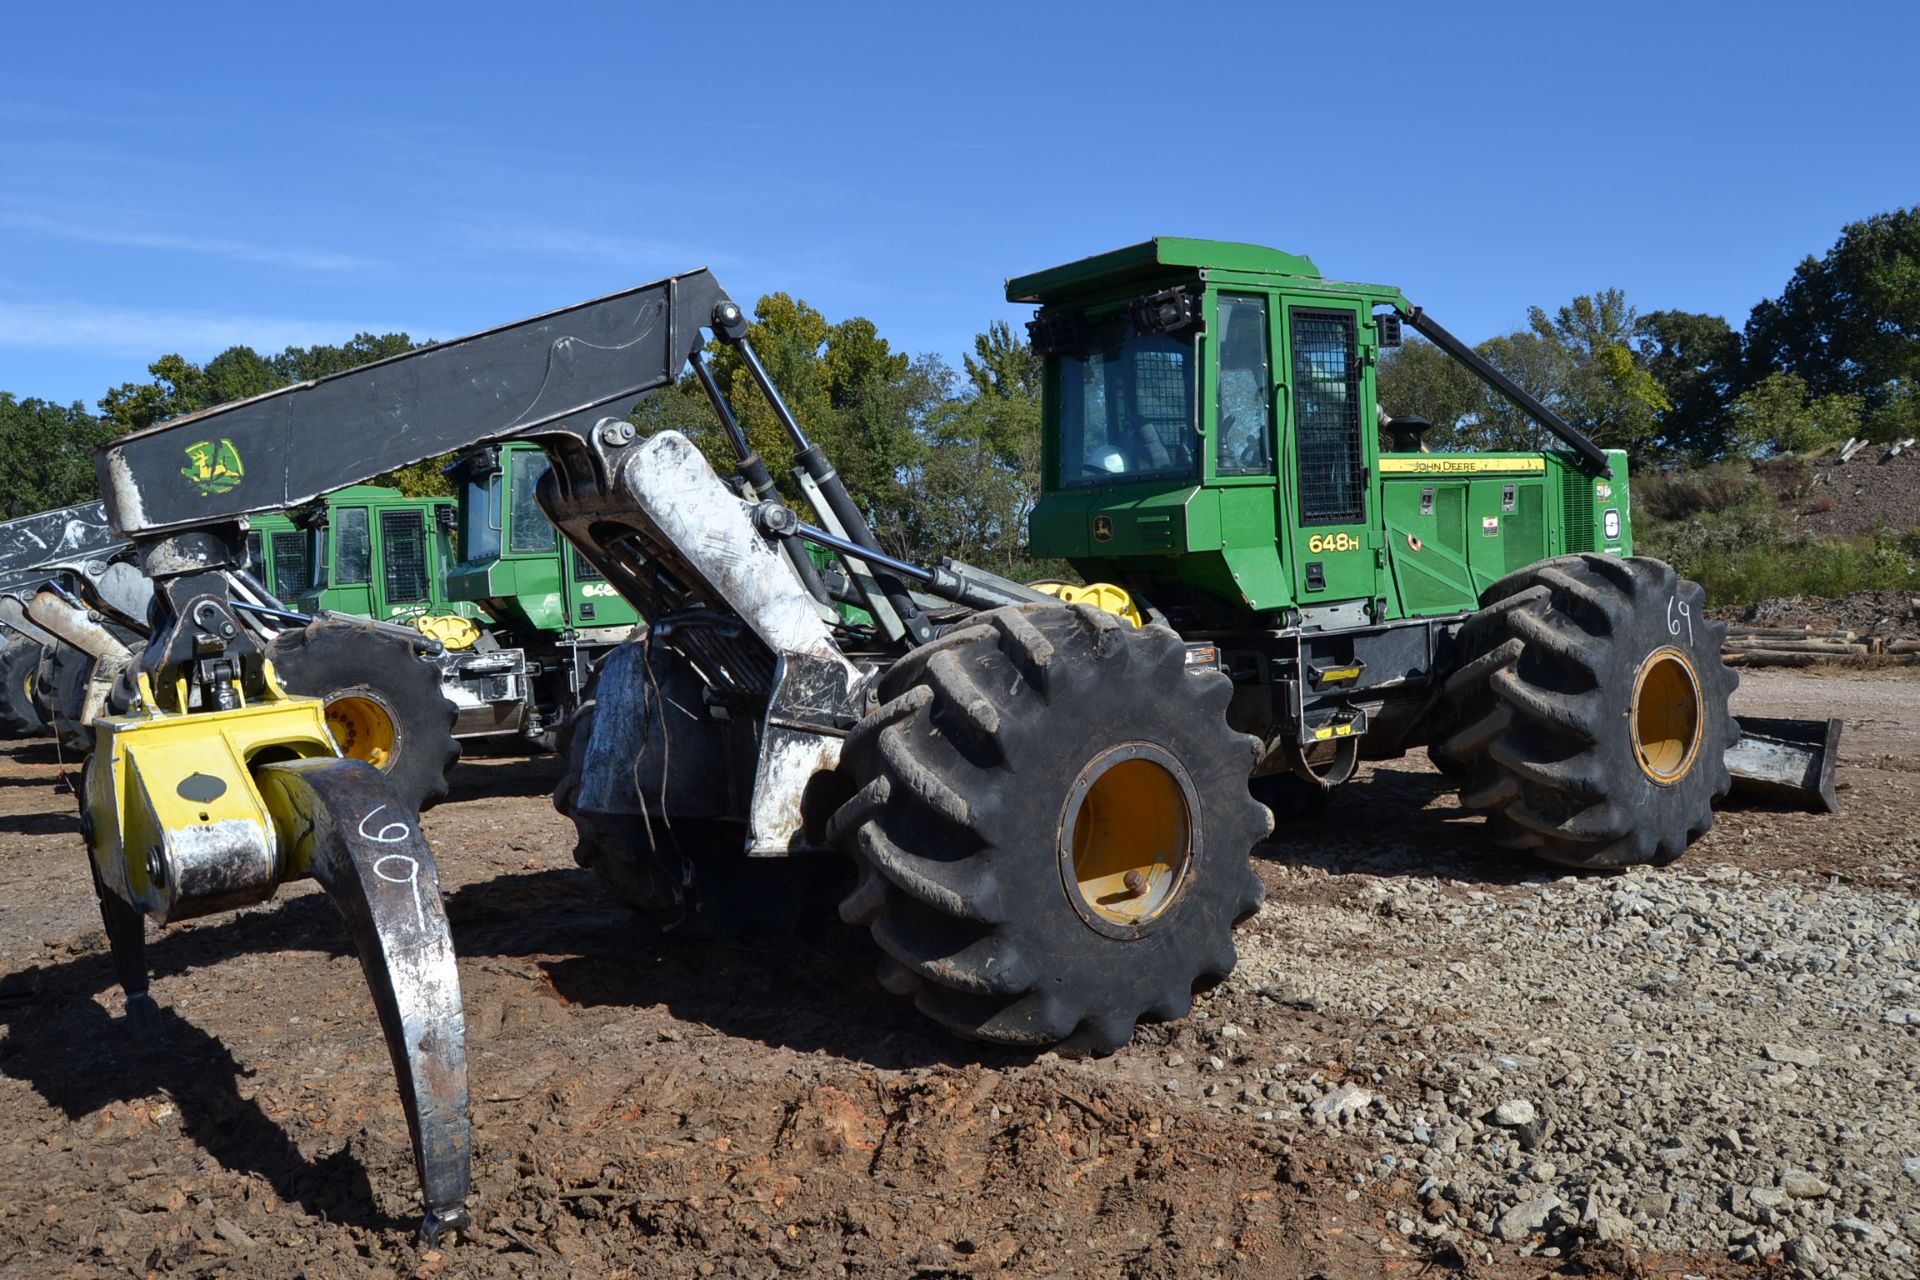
1753, 646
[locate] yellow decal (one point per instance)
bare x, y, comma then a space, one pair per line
1103, 528
1320, 542
1440, 464
597, 589
214, 467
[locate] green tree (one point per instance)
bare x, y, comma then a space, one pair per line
1696, 359
178, 386
303, 364
1002, 365
1607, 392
1777, 415
46, 455
1849, 321
1419, 380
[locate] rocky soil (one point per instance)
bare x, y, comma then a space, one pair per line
1876, 489
1432, 1059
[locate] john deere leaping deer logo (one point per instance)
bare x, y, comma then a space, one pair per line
214, 466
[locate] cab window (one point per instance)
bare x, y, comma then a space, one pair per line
480, 518
353, 540
531, 531
1244, 443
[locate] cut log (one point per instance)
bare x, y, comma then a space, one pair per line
1769, 658
1827, 648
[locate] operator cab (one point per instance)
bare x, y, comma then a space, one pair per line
1209, 427
1212, 442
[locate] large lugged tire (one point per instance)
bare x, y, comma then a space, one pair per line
384, 704
19, 668
1052, 827
1590, 712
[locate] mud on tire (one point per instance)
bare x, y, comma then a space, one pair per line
1590, 712
977, 776
384, 704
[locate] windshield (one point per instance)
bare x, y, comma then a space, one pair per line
1126, 408
531, 529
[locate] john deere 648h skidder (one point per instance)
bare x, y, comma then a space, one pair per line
1048, 808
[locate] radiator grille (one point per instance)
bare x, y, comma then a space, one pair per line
584, 570
404, 535
1576, 490
1326, 387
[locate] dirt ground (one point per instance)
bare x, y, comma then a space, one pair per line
648, 1105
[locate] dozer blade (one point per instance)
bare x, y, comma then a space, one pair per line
1786, 761
367, 852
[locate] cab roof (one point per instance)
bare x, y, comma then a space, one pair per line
1150, 259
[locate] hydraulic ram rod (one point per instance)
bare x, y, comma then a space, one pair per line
946, 583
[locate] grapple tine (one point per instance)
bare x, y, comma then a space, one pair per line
127, 944
367, 852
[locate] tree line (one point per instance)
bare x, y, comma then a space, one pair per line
1837, 354
946, 461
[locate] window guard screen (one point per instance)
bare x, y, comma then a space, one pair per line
403, 535
1126, 408
291, 572
1326, 397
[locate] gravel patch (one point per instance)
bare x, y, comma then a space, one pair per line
1711, 1059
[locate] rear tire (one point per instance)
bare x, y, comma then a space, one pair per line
384, 704
19, 668
692, 875
1590, 710
1052, 827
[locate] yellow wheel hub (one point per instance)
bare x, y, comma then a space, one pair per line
363, 727
1666, 716
1128, 838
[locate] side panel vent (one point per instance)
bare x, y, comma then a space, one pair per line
1576, 490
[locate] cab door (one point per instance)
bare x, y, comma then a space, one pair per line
1330, 458
405, 581
350, 584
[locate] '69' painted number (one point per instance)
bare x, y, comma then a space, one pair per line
1679, 613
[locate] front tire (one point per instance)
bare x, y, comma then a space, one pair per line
1052, 827
383, 704
1591, 712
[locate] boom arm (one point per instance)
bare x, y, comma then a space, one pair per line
557, 373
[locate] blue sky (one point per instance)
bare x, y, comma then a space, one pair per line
183, 178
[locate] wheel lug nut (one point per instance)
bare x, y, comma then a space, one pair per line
1136, 884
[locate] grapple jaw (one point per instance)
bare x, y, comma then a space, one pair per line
189, 814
